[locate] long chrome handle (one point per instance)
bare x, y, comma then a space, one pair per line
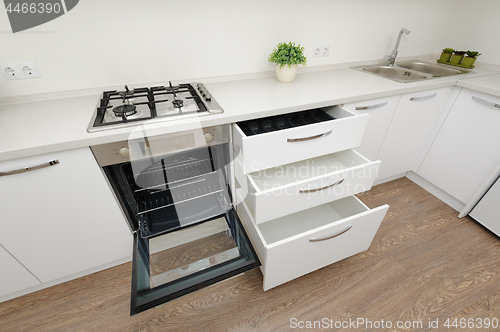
423, 97
486, 102
315, 239
31, 168
358, 108
305, 191
301, 139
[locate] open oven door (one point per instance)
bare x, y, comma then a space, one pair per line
186, 233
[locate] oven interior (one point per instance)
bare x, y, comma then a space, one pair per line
186, 232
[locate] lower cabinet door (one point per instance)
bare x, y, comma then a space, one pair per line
292, 246
14, 277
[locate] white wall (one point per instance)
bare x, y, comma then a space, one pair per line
476, 26
115, 42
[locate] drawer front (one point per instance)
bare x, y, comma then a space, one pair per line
286, 146
298, 255
284, 200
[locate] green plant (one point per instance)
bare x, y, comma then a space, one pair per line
459, 52
288, 54
473, 54
448, 50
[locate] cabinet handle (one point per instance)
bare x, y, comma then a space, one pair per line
358, 108
423, 97
309, 138
31, 168
315, 239
305, 191
486, 102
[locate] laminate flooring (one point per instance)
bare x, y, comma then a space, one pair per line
424, 264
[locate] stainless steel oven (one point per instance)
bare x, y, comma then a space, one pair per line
176, 195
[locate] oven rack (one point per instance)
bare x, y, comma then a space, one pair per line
178, 192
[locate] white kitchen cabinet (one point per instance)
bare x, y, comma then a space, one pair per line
410, 125
343, 130
13, 275
467, 147
487, 211
302, 215
61, 219
381, 111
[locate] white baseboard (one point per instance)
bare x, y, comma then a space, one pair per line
390, 178
64, 279
443, 196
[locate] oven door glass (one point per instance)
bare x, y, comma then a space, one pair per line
171, 265
186, 232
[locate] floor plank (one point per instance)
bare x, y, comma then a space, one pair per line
424, 264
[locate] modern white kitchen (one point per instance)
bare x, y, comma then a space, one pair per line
158, 172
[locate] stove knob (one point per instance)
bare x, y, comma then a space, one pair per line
208, 97
209, 137
124, 152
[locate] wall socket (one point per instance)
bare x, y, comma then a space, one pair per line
19, 70
320, 51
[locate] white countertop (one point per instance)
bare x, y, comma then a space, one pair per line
487, 84
44, 126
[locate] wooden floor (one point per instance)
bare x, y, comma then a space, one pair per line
424, 263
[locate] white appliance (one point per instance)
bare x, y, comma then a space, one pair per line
487, 211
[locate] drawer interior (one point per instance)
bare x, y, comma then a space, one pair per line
291, 120
303, 221
307, 169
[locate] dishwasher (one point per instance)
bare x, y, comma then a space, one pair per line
175, 192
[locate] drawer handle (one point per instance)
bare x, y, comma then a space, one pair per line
358, 108
305, 191
423, 97
485, 102
315, 239
309, 138
31, 168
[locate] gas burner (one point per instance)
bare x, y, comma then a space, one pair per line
126, 93
127, 109
172, 88
177, 103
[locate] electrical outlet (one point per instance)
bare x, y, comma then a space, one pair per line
19, 70
321, 51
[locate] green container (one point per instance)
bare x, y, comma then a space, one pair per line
468, 62
456, 59
445, 57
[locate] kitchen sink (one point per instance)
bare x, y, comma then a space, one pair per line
412, 71
394, 73
434, 70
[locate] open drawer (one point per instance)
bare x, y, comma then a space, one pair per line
283, 190
300, 243
284, 139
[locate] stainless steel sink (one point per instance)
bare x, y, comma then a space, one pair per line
412, 71
394, 73
434, 70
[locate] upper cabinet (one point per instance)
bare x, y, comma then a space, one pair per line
467, 147
58, 215
410, 126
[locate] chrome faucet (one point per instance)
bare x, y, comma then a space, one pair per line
392, 57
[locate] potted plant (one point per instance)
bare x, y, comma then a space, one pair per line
471, 57
457, 57
287, 57
446, 55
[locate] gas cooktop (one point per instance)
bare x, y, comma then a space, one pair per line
130, 107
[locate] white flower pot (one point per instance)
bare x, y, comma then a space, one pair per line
286, 74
